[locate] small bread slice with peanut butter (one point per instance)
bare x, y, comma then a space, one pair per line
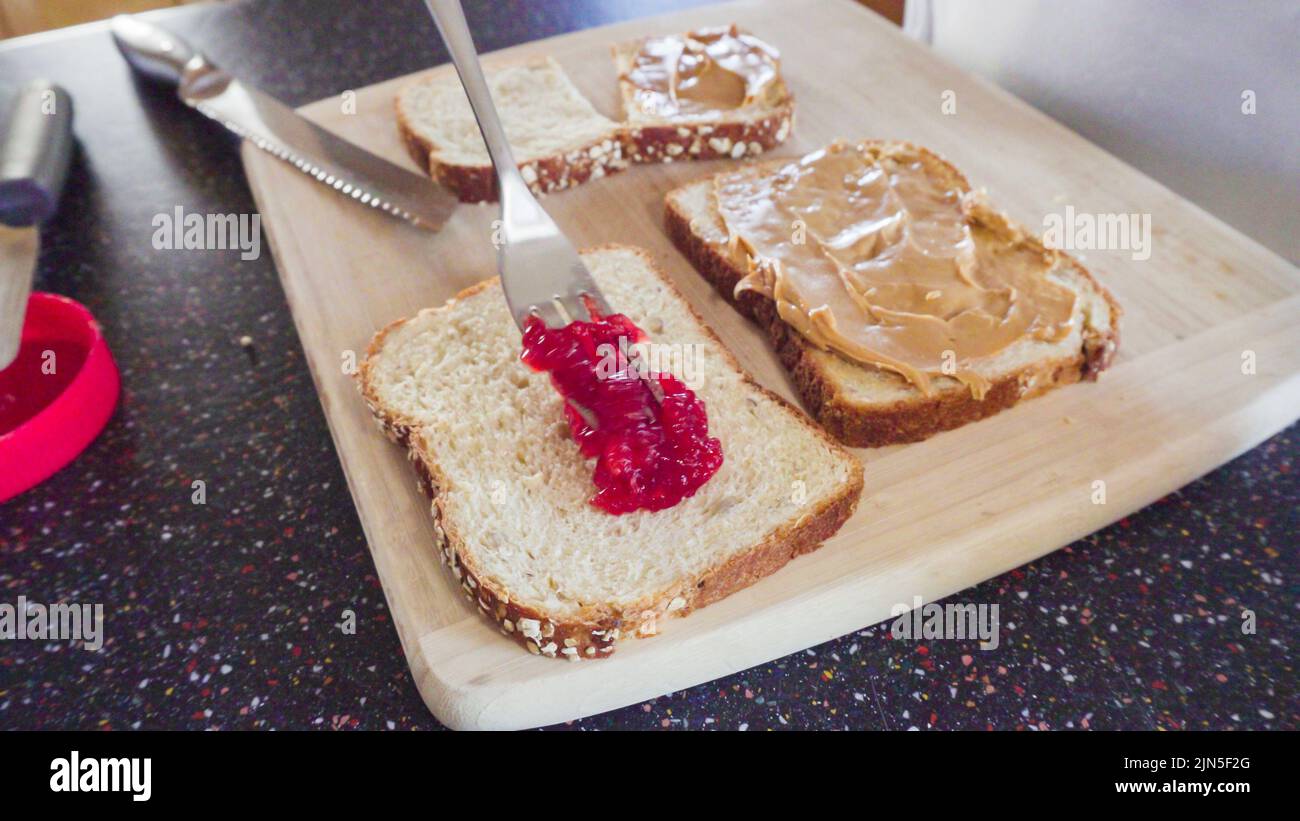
712, 93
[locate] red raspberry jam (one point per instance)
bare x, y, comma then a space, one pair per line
648, 454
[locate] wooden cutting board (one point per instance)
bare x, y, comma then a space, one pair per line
937, 517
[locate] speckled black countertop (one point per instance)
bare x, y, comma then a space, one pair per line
223, 615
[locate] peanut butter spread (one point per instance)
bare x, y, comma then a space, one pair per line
882, 254
702, 73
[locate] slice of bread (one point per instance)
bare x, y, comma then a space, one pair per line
558, 138
745, 132
510, 490
865, 406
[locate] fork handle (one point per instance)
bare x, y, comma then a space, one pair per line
450, 19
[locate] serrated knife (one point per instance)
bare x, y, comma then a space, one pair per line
277, 129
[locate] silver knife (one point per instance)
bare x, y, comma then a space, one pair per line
279, 130
33, 165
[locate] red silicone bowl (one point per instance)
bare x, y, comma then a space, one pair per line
56, 396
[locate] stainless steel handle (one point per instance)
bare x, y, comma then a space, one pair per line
154, 51
450, 19
33, 165
35, 153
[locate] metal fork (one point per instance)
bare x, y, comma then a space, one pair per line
541, 272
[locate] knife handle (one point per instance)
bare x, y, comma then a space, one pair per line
34, 154
153, 51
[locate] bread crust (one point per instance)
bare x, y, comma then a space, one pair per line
908, 420
736, 139
611, 153
595, 631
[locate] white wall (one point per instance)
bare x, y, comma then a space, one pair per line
1158, 83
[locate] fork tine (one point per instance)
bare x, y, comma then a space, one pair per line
575, 306
597, 299
548, 313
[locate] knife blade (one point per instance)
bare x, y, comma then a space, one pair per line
34, 159
279, 130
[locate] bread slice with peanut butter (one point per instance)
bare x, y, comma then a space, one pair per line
870, 401
714, 93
